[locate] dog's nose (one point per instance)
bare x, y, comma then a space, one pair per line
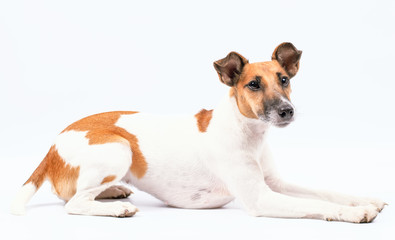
286, 112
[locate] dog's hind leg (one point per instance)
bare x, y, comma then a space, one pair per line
111, 162
84, 203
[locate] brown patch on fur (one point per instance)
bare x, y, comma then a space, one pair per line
38, 176
97, 121
62, 176
251, 103
108, 179
101, 129
203, 119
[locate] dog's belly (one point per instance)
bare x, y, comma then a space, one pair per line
182, 192
175, 152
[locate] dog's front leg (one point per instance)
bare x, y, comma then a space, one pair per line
245, 181
280, 186
273, 180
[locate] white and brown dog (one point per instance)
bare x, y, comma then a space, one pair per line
201, 161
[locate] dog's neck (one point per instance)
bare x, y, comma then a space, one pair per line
227, 120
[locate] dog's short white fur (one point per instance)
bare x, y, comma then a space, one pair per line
191, 168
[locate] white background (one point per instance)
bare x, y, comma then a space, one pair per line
63, 60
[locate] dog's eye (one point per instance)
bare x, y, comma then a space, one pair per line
284, 81
254, 85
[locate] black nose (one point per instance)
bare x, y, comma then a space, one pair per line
286, 112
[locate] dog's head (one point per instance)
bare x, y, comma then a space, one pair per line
262, 90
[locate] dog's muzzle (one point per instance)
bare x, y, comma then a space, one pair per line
285, 115
278, 112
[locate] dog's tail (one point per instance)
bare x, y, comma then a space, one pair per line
29, 188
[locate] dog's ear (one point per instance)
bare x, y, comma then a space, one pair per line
229, 68
288, 57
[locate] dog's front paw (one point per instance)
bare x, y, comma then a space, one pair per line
377, 203
359, 214
369, 201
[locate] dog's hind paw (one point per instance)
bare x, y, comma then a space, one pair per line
115, 192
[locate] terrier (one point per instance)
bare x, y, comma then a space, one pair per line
200, 161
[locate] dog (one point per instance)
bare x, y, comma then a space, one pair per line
201, 161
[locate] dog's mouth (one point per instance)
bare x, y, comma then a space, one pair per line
282, 124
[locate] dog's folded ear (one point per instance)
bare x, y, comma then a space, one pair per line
288, 57
229, 68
